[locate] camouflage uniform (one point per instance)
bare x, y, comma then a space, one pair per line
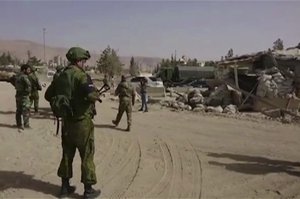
126, 95
143, 85
35, 88
78, 129
23, 89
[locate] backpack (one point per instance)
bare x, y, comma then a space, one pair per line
59, 95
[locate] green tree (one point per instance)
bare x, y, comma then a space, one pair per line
133, 68
192, 62
210, 63
109, 62
278, 44
6, 59
34, 61
156, 69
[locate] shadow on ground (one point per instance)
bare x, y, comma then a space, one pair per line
7, 112
20, 180
12, 126
108, 126
44, 113
256, 165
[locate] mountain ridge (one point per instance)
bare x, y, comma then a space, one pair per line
19, 49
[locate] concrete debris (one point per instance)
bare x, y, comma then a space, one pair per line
231, 109
217, 109
221, 96
199, 108
182, 98
274, 85
287, 119
195, 97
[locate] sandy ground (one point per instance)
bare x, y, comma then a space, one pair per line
166, 155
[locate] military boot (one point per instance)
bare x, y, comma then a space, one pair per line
115, 122
66, 188
128, 128
89, 192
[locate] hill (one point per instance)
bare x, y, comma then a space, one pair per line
19, 49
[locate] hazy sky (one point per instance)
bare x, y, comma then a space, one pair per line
197, 29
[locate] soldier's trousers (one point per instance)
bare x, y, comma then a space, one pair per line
23, 110
124, 106
78, 135
34, 99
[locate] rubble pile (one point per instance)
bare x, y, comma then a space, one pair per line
273, 84
221, 100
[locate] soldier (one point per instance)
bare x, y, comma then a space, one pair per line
143, 86
126, 95
35, 88
105, 80
78, 127
23, 90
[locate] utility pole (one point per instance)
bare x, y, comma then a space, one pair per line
44, 34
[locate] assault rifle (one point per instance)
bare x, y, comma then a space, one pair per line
102, 90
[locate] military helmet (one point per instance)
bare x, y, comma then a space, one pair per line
76, 54
25, 66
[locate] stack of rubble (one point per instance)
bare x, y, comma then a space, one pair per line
273, 84
222, 100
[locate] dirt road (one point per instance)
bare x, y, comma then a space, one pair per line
166, 155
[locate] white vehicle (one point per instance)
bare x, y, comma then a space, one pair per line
151, 81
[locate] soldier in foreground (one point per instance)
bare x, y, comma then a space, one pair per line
35, 88
74, 90
23, 90
126, 95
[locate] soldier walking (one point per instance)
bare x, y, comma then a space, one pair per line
23, 90
126, 95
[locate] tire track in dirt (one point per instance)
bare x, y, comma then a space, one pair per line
164, 181
177, 177
108, 152
107, 159
122, 169
182, 177
126, 173
136, 170
186, 179
200, 180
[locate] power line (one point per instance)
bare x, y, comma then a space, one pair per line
44, 39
